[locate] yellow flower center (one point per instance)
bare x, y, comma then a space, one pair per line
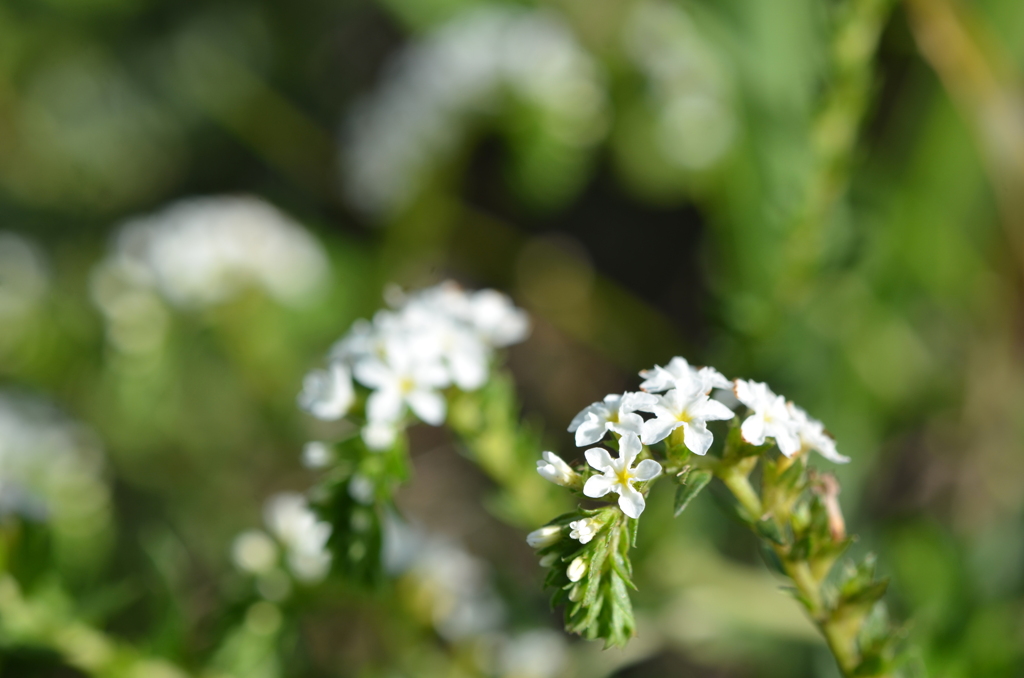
406, 385
624, 475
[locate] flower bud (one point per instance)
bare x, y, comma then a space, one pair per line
545, 536
549, 560
553, 468
577, 569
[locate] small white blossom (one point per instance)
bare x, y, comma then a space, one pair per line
304, 536
328, 394
577, 568
771, 418
360, 488
679, 374
619, 476
690, 409
617, 412
583, 530
553, 468
317, 454
544, 536
497, 319
379, 435
813, 436
401, 379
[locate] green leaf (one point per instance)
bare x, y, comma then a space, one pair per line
693, 483
768, 529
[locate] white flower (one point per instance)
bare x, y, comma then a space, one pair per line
679, 374
771, 418
497, 319
317, 454
577, 568
617, 412
361, 488
544, 537
814, 437
553, 468
619, 476
379, 435
691, 409
328, 394
403, 379
584, 530
304, 536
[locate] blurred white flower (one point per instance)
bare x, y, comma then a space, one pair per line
553, 468
50, 468
438, 85
689, 86
199, 252
317, 454
813, 435
619, 474
541, 653
403, 378
617, 412
770, 417
328, 394
303, 535
690, 409
379, 435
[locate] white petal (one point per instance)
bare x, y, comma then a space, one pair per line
598, 486
384, 405
590, 431
373, 373
787, 440
648, 469
697, 437
629, 447
599, 458
712, 410
631, 501
656, 430
629, 423
428, 406
635, 401
753, 429
826, 447
713, 378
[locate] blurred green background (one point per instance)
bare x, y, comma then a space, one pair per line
824, 194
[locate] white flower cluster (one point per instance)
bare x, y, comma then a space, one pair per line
430, 340
437, 86
679, 397
294, 531
50, 468
200, 252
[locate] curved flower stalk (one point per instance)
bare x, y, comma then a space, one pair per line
431, 353
794, 509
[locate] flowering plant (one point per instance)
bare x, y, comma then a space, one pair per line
794, 511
